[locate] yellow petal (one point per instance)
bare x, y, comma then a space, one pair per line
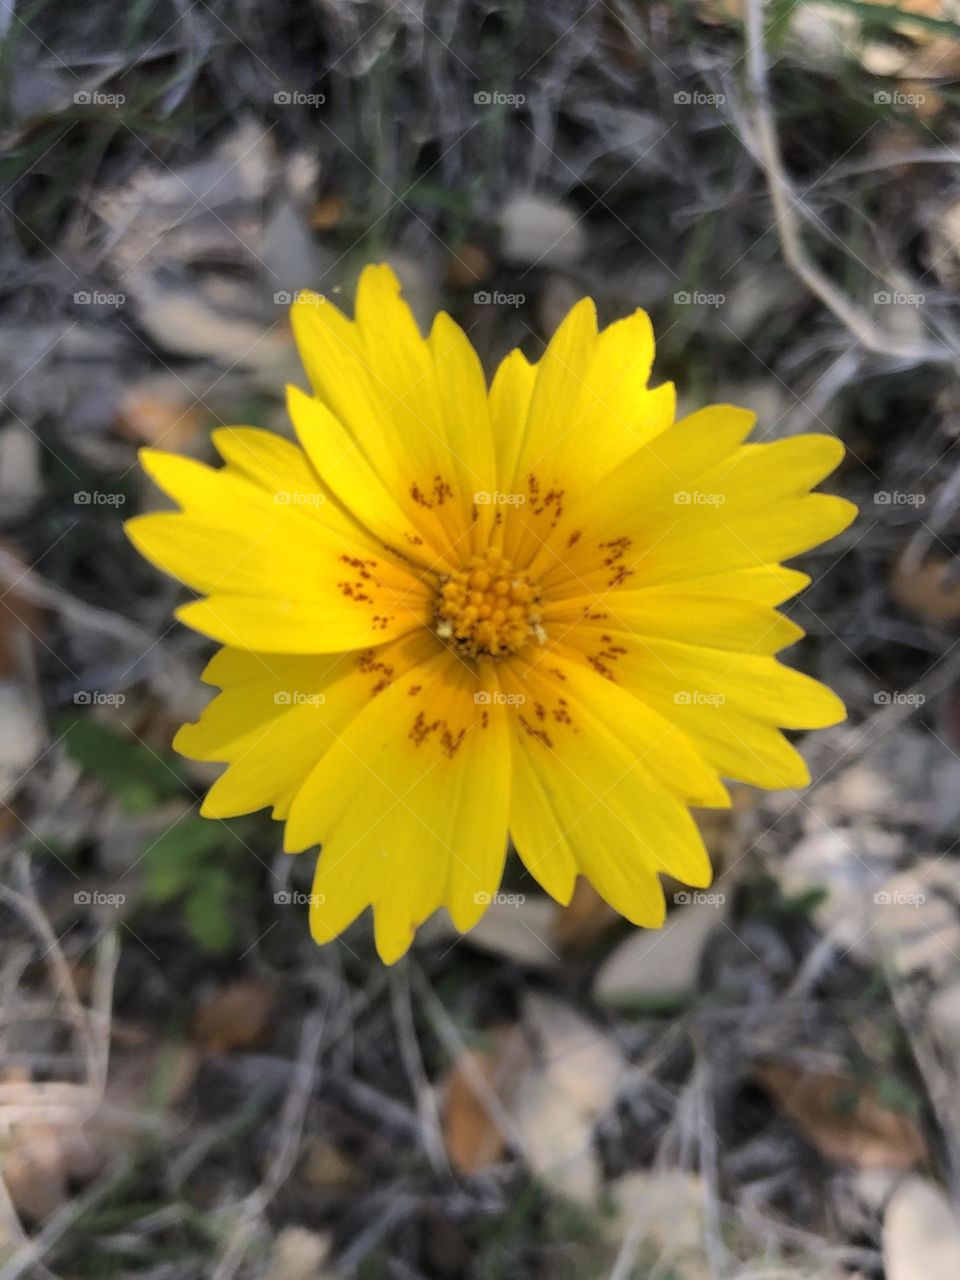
585, 795
602, 533
278, 714
708, 621
390, 390
290, 575
410, 807
510, 395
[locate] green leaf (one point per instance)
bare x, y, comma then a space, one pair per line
176, 859
136, 776
888, 16
207, 912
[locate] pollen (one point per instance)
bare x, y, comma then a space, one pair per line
487, 608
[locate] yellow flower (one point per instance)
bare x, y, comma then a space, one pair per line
450, 613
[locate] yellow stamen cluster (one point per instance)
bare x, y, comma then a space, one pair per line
487, 608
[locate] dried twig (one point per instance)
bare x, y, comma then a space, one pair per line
785, 203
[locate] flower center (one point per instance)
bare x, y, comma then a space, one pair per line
487, 608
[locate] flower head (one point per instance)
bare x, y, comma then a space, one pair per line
450, 613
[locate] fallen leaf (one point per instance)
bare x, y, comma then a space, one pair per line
473, 1138
235, 1017
519, 928
931, 591
844, 1117
157, 412
664, 962
41, 1163
469, 265
299, 1254
667, 1206
585, 918
22, 727
539, 231
327, 212
575, 1073
21, 482
921, 1234
916, 929
323, 1167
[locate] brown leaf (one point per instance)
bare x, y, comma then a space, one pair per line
328, 212
930, 591
843, 1117
20, 623
469, 265
157, 413
585, 918
235, 1017
473, 1138
43, 1160
323, 1167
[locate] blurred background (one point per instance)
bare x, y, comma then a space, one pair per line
767, 1089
